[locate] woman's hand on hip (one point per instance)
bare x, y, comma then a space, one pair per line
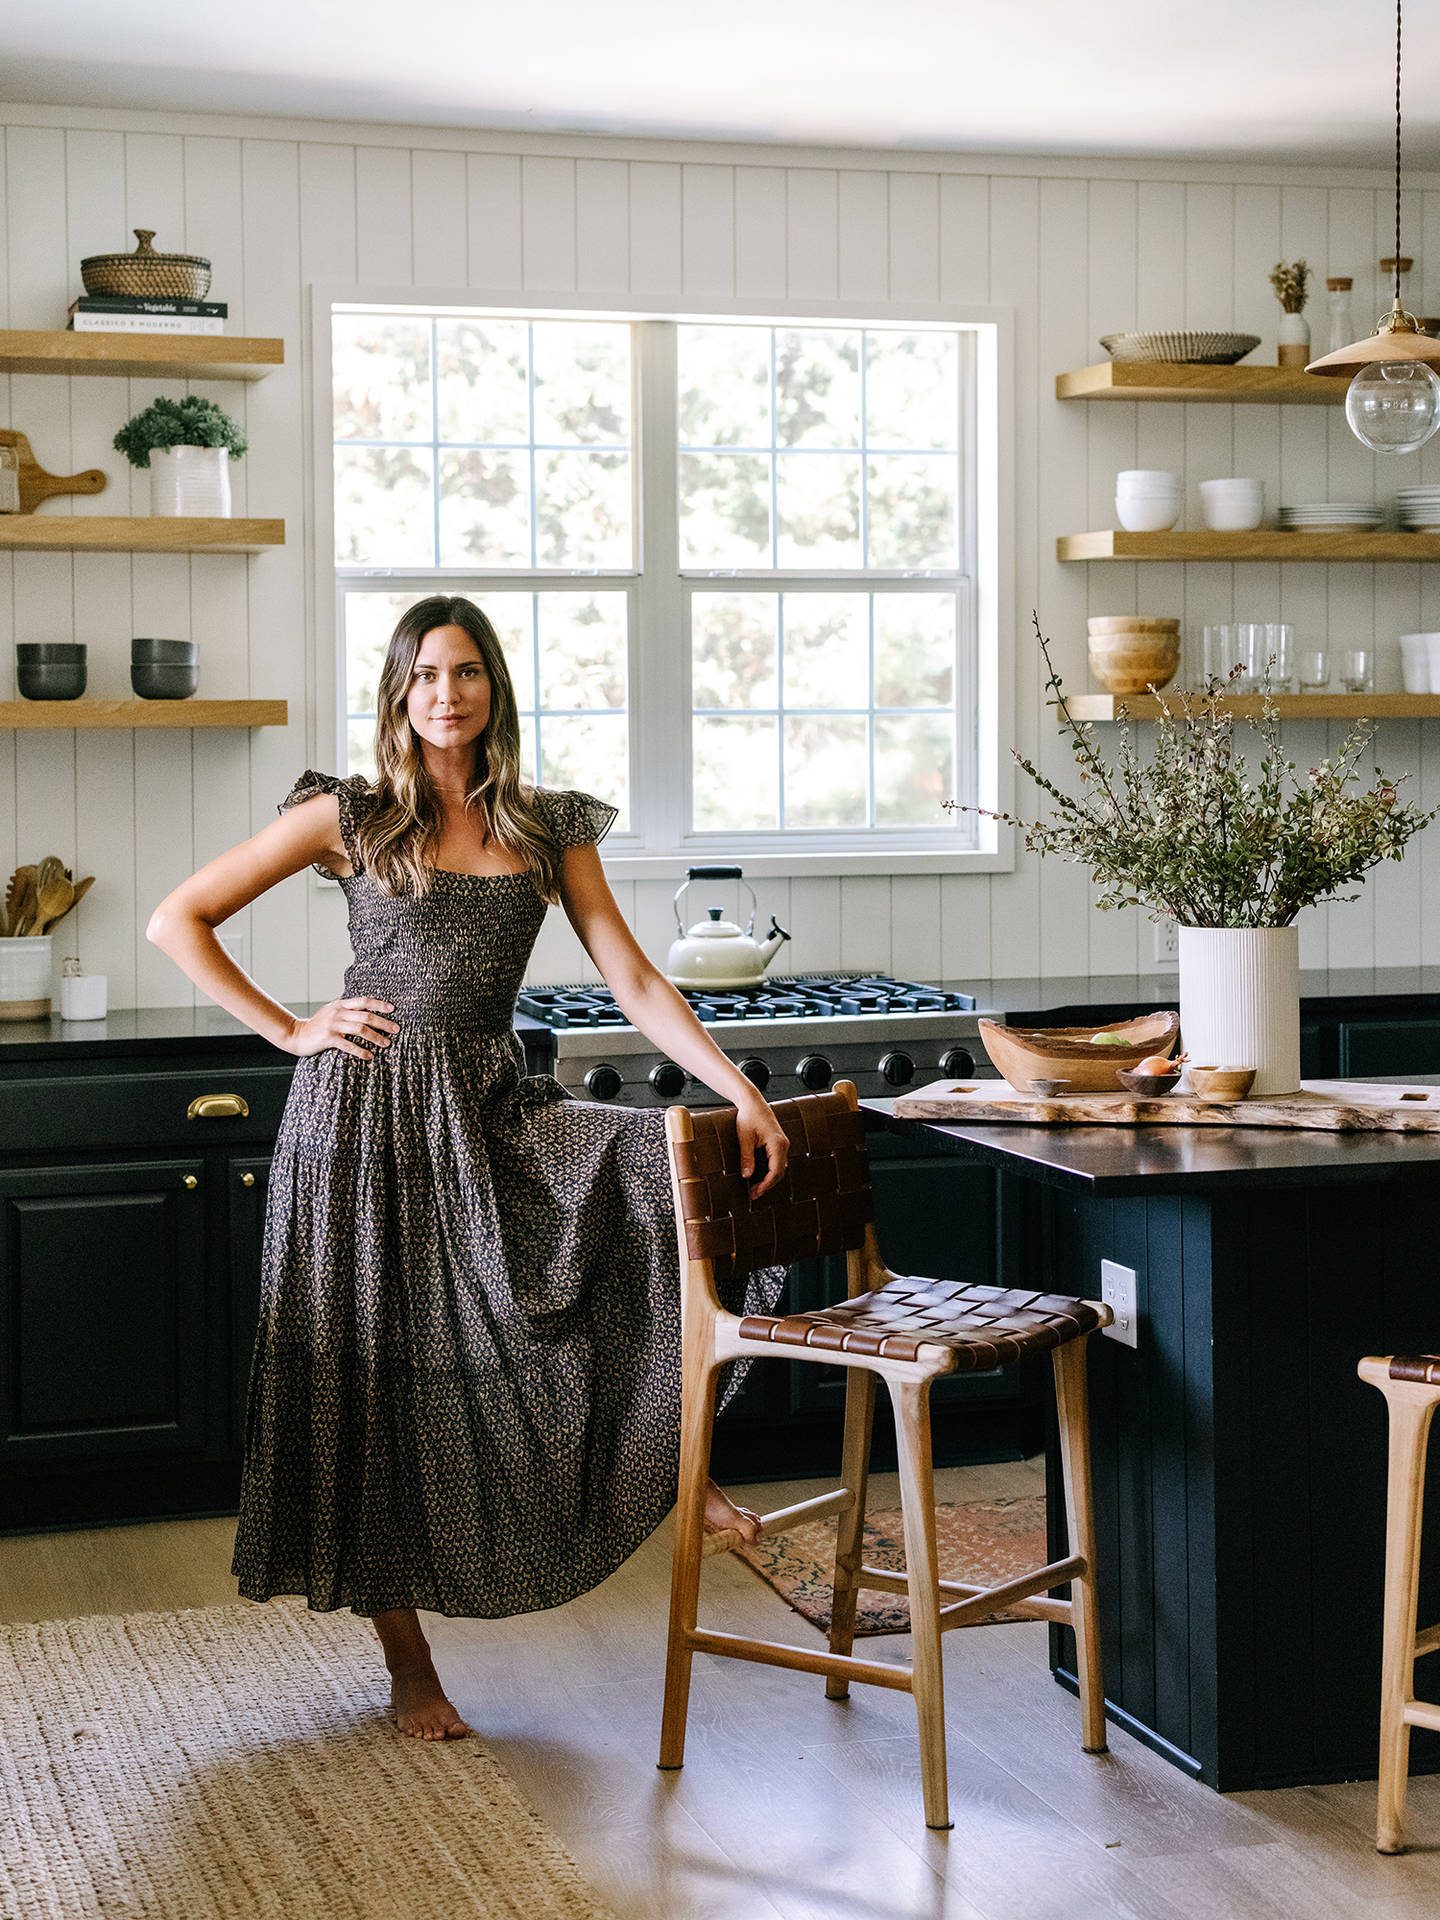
336, 1023
761, 1138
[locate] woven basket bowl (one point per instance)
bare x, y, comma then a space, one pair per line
145, 274
1193, 349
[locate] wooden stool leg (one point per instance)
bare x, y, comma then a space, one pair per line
1410, 1416
697, 1418
1072, 1404
855, 1476
917, 1498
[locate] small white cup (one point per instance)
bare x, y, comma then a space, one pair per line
1415, 662
82, 996
1147, 513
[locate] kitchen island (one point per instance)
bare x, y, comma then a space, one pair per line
1239, 1461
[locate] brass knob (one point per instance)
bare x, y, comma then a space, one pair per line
191, 1181
247, 1179
217, 1106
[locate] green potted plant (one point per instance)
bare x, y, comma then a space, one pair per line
1234, 853
188, 446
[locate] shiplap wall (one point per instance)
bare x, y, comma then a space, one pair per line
1074, 251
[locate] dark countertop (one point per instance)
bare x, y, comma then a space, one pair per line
1113, 1161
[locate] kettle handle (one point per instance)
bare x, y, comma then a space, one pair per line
714, 873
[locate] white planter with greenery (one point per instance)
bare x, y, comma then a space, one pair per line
1240, 1001
188, 446
191, 481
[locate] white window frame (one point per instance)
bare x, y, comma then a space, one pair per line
658, 707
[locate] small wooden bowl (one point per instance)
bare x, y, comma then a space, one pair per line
1149, 1086
1215, 1086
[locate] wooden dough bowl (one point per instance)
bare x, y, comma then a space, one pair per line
1023, 1054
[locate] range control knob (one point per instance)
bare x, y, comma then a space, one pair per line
757, 1072
815, 1072
667, 1079
957, 1064
897, 1069
603, 1083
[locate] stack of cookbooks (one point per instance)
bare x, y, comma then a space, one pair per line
115, 314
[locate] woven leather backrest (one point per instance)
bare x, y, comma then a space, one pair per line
820, 1205
1422, 1368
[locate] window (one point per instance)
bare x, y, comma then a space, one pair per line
732, 562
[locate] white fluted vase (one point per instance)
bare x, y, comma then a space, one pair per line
1240, 1001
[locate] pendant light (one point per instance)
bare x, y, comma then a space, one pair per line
1393, 405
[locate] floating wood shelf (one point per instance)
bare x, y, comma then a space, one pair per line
156, 533
1261, 545
183, 356
1289, 706
1166, 380
142, 713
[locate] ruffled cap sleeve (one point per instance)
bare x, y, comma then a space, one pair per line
354, 796
576, 819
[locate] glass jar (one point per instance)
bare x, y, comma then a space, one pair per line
9, 480
1342, 328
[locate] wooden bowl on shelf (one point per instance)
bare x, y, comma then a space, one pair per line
1024, 1054
1129, 653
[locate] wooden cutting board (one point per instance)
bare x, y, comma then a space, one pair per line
37, 485
1329, 1106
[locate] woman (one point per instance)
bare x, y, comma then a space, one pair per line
465, 1390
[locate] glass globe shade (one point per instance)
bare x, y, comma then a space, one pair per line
1393, 406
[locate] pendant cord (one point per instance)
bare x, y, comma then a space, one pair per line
1398, 4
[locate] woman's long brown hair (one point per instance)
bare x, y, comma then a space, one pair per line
405, 826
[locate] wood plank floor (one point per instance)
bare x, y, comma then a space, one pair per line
796, 1806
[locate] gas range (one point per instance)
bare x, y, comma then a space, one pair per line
791, 1034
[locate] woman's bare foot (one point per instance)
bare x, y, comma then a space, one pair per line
418, 1702
723, 1516
417, 1698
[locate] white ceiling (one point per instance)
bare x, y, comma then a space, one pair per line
1296, 80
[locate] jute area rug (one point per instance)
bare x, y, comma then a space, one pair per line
979, 1543
237, 1763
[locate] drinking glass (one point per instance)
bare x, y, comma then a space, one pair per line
1357, 669
1279, 654
1250, 637
1221, 651
1314, 664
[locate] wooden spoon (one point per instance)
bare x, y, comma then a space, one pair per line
22, 907
54, 895
13, 894
77, 894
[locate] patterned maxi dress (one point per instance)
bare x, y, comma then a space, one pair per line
465, 1391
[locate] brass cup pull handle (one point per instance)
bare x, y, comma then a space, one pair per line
217, 1106
247, 1179
191, 1182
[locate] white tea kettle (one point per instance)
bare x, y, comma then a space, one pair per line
715, 952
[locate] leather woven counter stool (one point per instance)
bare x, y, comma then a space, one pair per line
905, 1331
1411, 1386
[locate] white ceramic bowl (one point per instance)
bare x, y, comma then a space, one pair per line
1232, 512
1146, 478
1155, 515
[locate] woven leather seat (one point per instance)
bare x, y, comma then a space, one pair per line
906, 1330
982, 1326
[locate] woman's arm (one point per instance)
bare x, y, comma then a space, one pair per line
184, 923
653, 1006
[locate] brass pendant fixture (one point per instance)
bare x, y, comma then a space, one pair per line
1393, 405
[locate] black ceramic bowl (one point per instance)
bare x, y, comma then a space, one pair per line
155, 682
168, 653
50, 669
1149, 1086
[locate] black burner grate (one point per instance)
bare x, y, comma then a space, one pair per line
810, 996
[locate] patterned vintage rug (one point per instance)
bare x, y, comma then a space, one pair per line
980, 1543
236, 1763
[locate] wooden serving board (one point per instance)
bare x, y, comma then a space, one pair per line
37, 485
1328, 1106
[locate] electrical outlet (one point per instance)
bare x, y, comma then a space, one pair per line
1119, 1290
1167, 943
237, 945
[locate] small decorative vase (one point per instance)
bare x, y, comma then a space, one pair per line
1294, 340
193, 482
25, 984
1240, 1001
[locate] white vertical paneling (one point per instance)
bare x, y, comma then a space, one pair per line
1111, 431
1255, 431
863, 237
656, 253
914, 236
383, 216
1209, 443
602, 226
915, 948
496, 223
812, 237
707, 213
964, 217
547, 206
1015, 283
9, 822
814, 924
865, 922
439, 238
327, 214
760, 233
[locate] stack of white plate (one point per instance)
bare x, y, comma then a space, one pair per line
1331, 513
1419, 508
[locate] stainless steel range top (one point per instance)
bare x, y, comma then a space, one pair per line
791, 1034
